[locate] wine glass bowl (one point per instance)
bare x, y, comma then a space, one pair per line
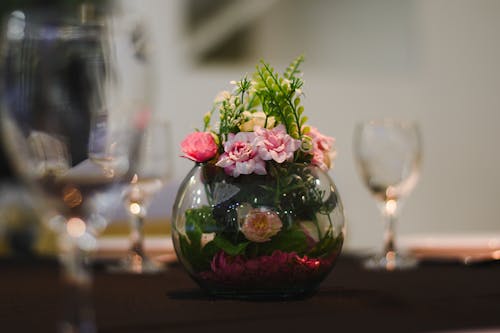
388, 156
149, 177
71, 125
54, 72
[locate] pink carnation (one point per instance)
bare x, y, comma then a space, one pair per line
199, 146
240, 155
323, 152
275, 144
260, 225
322, 142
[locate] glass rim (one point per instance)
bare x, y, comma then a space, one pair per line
19, 26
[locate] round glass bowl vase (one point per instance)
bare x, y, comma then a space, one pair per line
253, 236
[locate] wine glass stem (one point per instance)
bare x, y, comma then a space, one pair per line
137, 235
390, 235
78, 312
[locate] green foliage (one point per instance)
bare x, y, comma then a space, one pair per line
230, 107
207, 118
230, 117
295, 190
290, 188
228, 247
292, 71
326, 245
199, 221
280, 96
291, 240
190, 244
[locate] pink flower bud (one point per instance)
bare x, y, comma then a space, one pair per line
199, 146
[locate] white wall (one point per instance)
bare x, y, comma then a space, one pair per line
436, 61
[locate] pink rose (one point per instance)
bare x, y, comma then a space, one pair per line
240, 156
199, 146
322, 142
322, 149
275, 144
260, 225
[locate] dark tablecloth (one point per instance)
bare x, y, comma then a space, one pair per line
433, 297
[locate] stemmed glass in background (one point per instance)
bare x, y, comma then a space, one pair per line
388, 154
73, 111
149, 177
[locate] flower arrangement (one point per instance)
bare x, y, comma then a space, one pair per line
271, 217
261, 123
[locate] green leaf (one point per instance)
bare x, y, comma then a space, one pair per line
293, 68
289, 240
296, 102
326, 245
193, 255
198, 221
210, 249
228, 247
201, 218
193, 232
184, 245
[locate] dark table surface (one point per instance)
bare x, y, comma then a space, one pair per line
433, 297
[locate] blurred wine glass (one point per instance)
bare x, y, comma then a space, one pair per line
74, 100
388, 155
149, 178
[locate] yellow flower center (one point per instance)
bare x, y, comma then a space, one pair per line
261, 223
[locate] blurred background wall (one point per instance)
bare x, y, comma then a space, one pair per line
434, 61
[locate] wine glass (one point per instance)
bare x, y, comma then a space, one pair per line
73, 110
388, 155
150, 175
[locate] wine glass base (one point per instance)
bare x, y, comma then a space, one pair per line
390, 262
136, 264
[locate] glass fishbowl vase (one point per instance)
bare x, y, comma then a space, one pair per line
258, 236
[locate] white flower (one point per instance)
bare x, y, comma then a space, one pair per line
256, 119
222, 96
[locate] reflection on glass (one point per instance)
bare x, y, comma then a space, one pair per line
388, 154
150, 175
69, 127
